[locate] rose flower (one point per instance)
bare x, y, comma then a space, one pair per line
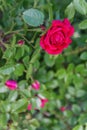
57, 37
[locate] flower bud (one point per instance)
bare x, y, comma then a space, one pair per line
29, 107
21, 42
36, 85
43, 102
42, 27
11, 84
62, 109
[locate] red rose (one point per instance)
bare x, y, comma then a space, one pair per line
58, 37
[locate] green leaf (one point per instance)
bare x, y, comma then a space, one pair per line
52, 84
79, 68
33, 102
83, 56
49, 60
12, 96
79, 127
26, 61
61, 73
33, 60
50, 75
83, 119
33, 17
86, 126
70, 68
49, 6
76, 109
9, 53
25, 93
3, 119
5, 106
3, 88
15, 117
36, 65
80, 6
78, 81
84, 105
83, 24
19, 106
71, 90
34, 122
18, 21
7, 70
19, 53
31, 127
29, 71
70, 11
80, 93
22, 84
19, 69
35, 55
26, 48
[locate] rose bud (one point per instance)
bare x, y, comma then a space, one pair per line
43, 102
57, 37
21, 42
11, 84
29, 107
62, 109
36, 85
42, 27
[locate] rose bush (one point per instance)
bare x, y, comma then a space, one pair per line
42, 88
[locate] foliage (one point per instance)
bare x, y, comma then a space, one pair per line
63, 77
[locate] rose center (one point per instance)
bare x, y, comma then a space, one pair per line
57, 38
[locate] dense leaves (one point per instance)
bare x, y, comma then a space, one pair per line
62, 78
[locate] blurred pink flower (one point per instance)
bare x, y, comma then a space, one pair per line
11, 84
62, 109
36, 85
29, 107
43, 102
21, 42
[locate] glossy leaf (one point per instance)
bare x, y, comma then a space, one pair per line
19, 106
3, 88
70, 11
83, 24
33, 17
79, 127
80, 6
12, 96
83, 56
6, 70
